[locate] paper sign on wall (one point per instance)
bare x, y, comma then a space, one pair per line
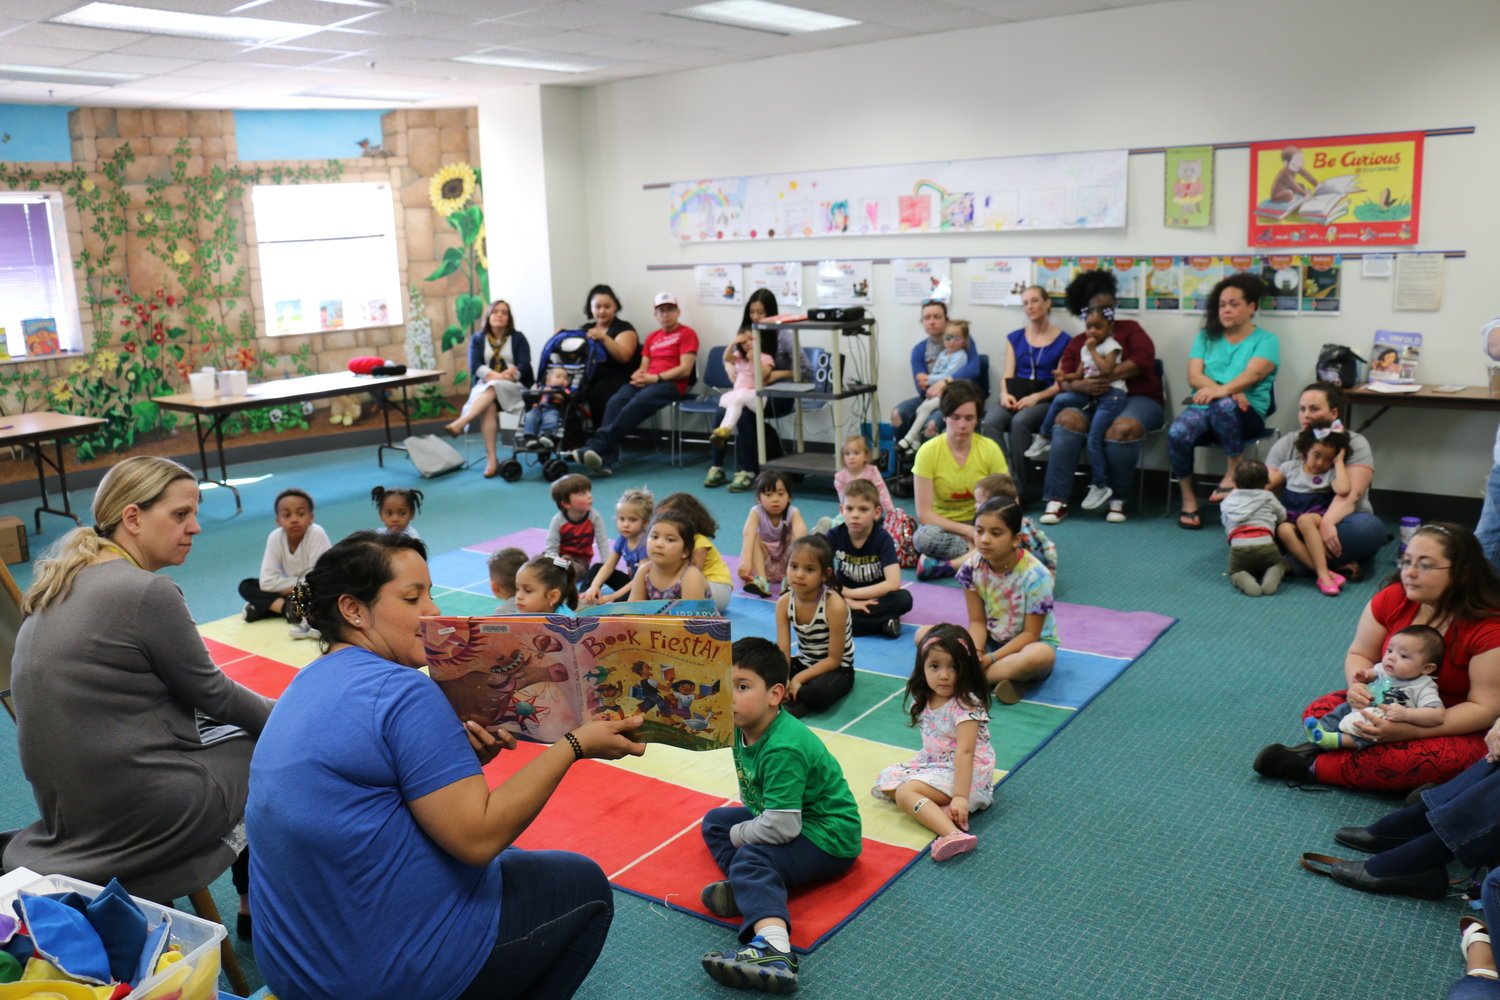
998, 281
844, 283
782, 278
1053, 274
1190, 187
1163, 285
1360, 189
1130, 277
918, 279
719, 284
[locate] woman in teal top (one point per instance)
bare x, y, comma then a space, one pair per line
1231, 369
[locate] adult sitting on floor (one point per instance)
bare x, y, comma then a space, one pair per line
946, 469
669, 362
382, 867
137, 747
1352, 534
1231, 369
1444, 582
1122, 436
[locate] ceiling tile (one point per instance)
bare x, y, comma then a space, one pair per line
682, 30
180, 48
487, 33
223, 70
655, 6
330, 43
662, 52
401, 23
885, 10
304, 12
1026, 10
12, 51
114, 62
176, 84
219, 7
950, 21
267, 55
468, 8
32, 10
417, 48
571, 14
577, 41
67, 36
29, 92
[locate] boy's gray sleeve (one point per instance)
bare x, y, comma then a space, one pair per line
554, 535
774, 826
601, 533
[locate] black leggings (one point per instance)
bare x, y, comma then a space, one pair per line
822, 692
260, 600
887, 606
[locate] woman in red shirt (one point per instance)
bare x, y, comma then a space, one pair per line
1444, 582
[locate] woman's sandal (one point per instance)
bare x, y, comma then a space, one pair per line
1220, 493
491, 471
1471, 930
1192, 520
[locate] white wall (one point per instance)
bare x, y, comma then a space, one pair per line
1168, 74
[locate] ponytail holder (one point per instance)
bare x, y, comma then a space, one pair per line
99, 530
562, 563
1319, 433
1108, 312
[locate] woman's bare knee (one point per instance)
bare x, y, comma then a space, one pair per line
1125, 429
1073, 420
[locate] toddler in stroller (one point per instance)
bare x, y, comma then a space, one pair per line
553, 418
542, 426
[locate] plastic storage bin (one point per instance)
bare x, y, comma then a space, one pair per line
196, 977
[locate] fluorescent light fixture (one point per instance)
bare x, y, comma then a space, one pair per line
533, 59
373, 96
761, 15
61, 74
148, 20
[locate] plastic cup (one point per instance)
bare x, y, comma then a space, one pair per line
202, 384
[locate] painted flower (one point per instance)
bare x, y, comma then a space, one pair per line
148, 217
61, 391
245, 359
482, 248
78, 367
106, 361
276, 415
181, 257
87, 185
129, 348
451, 188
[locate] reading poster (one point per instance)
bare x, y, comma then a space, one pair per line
1345, 191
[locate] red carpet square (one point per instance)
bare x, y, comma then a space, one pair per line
259, 674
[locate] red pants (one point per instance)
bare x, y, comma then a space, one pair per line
1393, 767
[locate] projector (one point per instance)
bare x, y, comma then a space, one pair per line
837, 314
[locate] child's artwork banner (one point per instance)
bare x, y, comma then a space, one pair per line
1332, 192
1051, 191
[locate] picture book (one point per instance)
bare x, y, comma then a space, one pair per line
1394, 357
679, 608
1328, 202
41, 336
540, 676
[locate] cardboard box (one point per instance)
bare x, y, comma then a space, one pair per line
13, 546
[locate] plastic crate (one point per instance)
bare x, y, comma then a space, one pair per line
196, 977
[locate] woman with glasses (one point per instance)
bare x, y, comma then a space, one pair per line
1445, 582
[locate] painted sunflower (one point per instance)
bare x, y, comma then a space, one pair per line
482, 248
451, 188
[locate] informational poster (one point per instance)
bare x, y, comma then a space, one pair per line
1130, 275
998, 281
918, 279
1419, 282
782, 278
720, 284
1361, 189
1322, 284
1053, 274
1036, 192
1282, 276
1163, 285
844, 283
1190, 187
1199, 275
1241, 264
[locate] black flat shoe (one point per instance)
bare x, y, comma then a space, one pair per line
1290, 763
1431, 884
242, 926
1361, 839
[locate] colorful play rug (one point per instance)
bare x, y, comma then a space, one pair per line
639, 818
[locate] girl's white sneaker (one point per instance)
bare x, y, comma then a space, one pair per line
1097, 496
1116, 513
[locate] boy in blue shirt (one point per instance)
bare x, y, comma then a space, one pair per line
799, 824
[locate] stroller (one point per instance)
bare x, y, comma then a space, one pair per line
573, 352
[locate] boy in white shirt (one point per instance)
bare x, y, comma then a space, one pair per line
291, 550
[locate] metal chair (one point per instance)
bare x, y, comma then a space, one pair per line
715, 382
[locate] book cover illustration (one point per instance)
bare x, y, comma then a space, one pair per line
1395, 356
540, 676
41, 335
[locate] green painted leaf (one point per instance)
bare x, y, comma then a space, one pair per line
177, 351
468, 308
468, 221
453, 259
452, 337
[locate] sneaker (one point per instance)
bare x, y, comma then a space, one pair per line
907, 447
252, 613
545, 441
1039, 448
1006, 692
571, 456
953, 845
526, 443
1096, 498
721, 435
603, 472
1056, 511
759, 586
719, 898
593, 459
1289, 763
302, 630
715, 477
929, 568
1116, 513
756, 966
742, 482
892, 628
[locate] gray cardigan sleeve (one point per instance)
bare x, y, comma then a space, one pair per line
176, 651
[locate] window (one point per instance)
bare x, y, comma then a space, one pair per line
327, 257
36, 271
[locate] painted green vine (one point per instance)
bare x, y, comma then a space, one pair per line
146, 340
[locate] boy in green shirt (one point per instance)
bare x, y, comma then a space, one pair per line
799, 824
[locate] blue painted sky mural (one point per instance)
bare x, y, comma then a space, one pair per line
34, 133
304, 135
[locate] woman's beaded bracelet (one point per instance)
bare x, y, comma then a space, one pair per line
577, 747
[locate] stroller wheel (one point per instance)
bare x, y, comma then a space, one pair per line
554, 469
511, 471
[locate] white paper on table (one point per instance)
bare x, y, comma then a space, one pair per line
1419, 282
1394, 387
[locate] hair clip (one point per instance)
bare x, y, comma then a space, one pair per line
1108, 312
1319, 433
562, 563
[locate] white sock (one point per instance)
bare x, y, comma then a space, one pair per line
777, 937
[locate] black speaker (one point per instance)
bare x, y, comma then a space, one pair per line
837, 314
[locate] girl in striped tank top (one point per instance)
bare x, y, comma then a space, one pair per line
823, 668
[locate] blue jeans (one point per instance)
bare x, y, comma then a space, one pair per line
542, 419
1120, 457
1488, 531
1221, 421
1474, 987
555, 911
761, 874
626, 410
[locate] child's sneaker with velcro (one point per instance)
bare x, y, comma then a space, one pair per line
756, 966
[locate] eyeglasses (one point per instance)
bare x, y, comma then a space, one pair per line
1420, 566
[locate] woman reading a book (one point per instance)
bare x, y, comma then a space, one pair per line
381, 867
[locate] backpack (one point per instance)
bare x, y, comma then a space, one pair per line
432, 455
1339, 365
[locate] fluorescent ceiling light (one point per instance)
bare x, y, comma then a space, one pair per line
61, 74
761, 15
148, 20
533, 59
349, 94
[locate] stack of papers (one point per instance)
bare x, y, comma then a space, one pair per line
1394, 387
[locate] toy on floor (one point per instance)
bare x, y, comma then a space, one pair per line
345, 410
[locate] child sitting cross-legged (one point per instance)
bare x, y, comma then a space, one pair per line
503, 567
292, 548
632, 515
577, 530
799, 824
1251, 514
865, 565
772, 524
812, 609
1403, 691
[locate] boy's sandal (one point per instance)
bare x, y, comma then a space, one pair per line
1192, 520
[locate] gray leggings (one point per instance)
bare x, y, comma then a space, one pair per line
933, 541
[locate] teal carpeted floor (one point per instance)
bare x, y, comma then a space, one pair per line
1137, 856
